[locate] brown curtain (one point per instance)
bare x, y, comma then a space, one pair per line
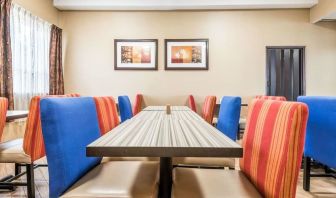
56, 82
6, 77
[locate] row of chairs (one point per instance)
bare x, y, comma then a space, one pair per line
71, 173
27, 150
103, 173
319, 143
209, 105
125, 107
107, 110
227, 123
273, 145
322, 110
24, 152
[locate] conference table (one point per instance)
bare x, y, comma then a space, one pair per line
158, 132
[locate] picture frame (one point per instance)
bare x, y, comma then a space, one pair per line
186, 54
135, 54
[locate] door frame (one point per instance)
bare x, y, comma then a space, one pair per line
303, 66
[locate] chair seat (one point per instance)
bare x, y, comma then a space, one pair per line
212, 183
205, 161
12, 152
108, 159
118, 179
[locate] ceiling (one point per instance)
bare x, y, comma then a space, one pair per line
181, 4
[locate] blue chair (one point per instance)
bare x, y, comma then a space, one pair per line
228, 117
320, 136
68, 126
228, 123
125, 108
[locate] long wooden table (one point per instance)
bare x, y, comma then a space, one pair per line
163, 108
153, 133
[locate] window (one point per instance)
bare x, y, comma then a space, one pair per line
30, 41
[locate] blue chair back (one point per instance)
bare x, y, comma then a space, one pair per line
228, 117
125, 108
320, 141
68, 126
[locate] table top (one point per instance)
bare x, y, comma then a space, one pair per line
156, 134
13, 114
163, 108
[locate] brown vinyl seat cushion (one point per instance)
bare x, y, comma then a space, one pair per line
211, 183
118, 179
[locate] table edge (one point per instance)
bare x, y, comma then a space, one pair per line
97, 151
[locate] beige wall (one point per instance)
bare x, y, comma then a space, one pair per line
237, 42
42, 8
323, 9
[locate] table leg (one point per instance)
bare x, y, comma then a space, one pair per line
166, 180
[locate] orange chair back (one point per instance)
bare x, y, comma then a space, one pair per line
3, 113
33, 143
209, 108
280, 98
138, 104
107, 113
273, 146
192, 104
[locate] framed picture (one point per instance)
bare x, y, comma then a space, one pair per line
135, 54
187, 54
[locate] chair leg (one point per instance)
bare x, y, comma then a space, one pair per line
30, 180
17, 168
306, 174
327, 170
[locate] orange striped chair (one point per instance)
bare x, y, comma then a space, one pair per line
24, 152
280, 98
33, 143
107, 113
209, 108
3, 112
138, 104
273, 147
192, 104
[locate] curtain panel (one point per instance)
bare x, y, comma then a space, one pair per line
6, 77
30, 37
56, 85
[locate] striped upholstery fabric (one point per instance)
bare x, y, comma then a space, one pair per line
33, 143
107, 113
192, 103
138, 104
209, 108
3, 112
273, 146
280, 98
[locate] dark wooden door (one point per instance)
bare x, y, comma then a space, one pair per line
285, 72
